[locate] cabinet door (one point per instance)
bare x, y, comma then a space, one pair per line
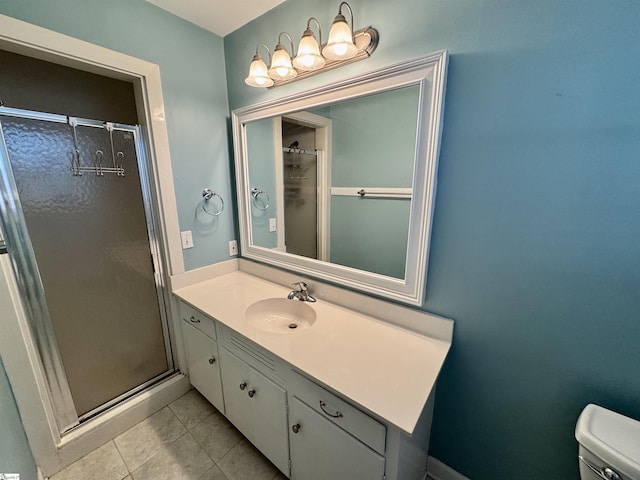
269, 412
202, 361
257, 407
320, 450
235, 378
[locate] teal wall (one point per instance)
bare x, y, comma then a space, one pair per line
370, 234
260, 151
15, 454
374, 139
373, 145
535, 249
192, 69
534, 252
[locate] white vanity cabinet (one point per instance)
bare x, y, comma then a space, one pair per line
198, 332
321, 450
332, 439
255, 404
318, 402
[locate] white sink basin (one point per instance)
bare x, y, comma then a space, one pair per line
280, 315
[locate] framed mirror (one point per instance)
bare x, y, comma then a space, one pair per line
339, 182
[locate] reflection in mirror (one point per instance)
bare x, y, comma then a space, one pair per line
367, 145
301, 195
339, 183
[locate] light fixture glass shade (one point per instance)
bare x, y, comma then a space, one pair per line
258, 75
340, 45
281, 68
308, 57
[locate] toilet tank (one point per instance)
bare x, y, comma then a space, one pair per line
609, 445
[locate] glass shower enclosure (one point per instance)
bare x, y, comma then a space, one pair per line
78, 221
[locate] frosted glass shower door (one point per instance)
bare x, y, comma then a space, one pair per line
301, 204
92, 240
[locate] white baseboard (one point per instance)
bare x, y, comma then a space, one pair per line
436, 470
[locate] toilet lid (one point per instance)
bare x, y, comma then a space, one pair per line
612, 437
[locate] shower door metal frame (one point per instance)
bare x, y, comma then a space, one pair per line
30, 284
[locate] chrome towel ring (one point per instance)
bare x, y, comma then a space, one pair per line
208, 194
255, 194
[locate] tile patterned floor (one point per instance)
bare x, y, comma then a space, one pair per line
187, 440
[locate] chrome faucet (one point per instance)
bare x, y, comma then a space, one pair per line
301, 292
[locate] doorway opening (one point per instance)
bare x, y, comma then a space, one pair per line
52, 450
303, 180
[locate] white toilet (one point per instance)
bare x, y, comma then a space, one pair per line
609, 445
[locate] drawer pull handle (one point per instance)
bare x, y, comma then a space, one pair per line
295, 428
212, 360
251, 393
194, 319
243, 385
332, 415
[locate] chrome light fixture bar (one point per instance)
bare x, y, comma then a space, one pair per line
343, 46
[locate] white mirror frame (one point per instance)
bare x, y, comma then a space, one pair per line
429, 73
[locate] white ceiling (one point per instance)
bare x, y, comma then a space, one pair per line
218, 16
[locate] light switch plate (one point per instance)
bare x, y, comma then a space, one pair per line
187, 239
272, 224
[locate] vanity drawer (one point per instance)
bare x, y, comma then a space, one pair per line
346, 416
198, 319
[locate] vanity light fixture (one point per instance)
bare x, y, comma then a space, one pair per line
281, 68
343, 46
258, 73
309, 57
340, 45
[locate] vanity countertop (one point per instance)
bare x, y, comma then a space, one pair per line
386, 369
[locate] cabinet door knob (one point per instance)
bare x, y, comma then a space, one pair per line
194, 319
251, 393
295, 428
243, 385
212, 360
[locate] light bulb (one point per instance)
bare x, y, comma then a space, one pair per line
340, 49
309, 57
258, 76
281, 68
306, 61
340, 45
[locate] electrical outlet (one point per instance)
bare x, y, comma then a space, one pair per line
272, 224
187, 239
233, 248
